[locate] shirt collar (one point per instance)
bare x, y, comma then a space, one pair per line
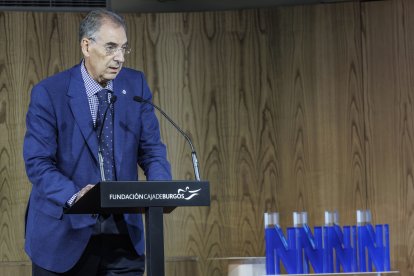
92, 86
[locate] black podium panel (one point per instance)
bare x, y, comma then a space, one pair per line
150, 197
155, 193
120, 197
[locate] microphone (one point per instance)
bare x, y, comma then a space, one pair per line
193, 152
112, 100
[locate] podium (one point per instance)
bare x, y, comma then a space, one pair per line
154, 198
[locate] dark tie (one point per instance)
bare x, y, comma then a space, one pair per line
107, 224
105, 136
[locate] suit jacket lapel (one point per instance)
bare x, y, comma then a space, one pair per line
80, 108
120, 110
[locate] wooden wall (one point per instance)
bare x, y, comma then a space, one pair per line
305, 108
388, 48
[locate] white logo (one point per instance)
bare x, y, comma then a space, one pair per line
181, 194
188, 194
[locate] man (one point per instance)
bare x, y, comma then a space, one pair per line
83, 127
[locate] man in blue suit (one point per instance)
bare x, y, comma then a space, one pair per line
62, 153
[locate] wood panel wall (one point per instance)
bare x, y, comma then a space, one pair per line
388, 48
305, 108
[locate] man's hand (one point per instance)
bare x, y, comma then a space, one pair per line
84, 190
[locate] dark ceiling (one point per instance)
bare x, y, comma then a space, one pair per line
203, 5
152, 5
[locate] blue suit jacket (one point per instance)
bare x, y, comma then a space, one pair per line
61, 156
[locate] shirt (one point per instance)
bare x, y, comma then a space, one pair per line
92, 87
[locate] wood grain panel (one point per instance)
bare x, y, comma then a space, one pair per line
33, 47
276, 104
388, 48
182, 267
286, 111
16, 268
320, 111
14, 81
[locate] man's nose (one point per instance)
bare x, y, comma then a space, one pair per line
119, 55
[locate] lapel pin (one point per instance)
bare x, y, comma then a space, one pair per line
123, 92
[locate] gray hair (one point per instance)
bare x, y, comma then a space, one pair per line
93, 22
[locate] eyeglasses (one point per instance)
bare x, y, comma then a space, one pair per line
112, 49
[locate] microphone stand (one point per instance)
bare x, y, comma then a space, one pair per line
193, 152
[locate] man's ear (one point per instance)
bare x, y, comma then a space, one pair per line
85, 44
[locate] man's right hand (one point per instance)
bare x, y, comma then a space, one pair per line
84, 190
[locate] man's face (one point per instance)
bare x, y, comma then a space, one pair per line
104, 53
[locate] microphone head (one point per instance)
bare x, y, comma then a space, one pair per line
138, 99
113, 99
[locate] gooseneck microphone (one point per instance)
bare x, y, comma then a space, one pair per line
193, 152
101, 161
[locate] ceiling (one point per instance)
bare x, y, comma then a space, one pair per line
126, 6
203, 5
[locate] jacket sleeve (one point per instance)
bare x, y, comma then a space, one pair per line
40, 148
